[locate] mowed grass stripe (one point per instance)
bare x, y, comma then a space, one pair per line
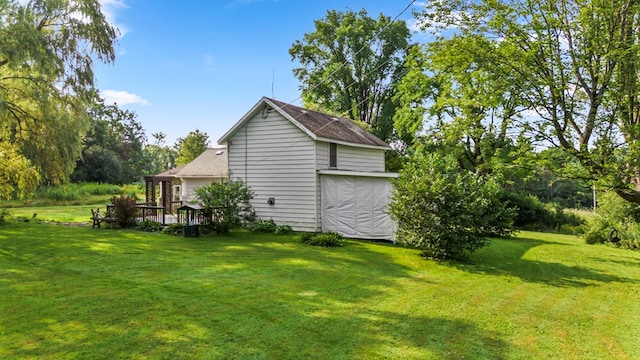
68, 292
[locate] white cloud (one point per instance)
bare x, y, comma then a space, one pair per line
110, 9
415, 25
123, 98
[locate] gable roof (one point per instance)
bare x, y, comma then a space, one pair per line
319, 126
211, 163
172, 171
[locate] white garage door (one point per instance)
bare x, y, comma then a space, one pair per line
357, 206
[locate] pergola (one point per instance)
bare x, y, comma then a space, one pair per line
164, 182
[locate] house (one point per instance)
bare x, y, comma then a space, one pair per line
209, 166
176, 186
311, 171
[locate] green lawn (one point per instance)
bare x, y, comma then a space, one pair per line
69, 292
62, 213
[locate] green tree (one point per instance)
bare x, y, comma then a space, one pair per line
98, 165
349, 65
575, 63
450, 99
159, 157
445, 211
47, 51
113, 147
225, 203
558, 177
191, 146
18, 178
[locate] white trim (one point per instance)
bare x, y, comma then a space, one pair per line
358, 173
264, 100
202, 177
246, 117
352, 144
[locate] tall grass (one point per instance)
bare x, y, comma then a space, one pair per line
76, 194
71, 191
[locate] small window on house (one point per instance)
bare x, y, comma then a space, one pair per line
176, 193
333, 155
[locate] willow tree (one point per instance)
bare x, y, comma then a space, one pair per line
574, 64
349, 65
47, 51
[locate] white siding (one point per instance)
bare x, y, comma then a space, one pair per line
360, 159
322, 162
277, 160
351, 158
189, 186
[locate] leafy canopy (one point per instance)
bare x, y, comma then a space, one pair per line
47, 51
573, 65
450, 99
349, 64
113, 148
191, 146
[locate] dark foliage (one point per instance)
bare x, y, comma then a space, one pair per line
269, 226
322, 239
149, 226
125, 210
174, 229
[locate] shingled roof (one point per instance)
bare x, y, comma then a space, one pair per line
212, 163
319, 126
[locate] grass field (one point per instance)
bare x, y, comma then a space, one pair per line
71, 214
74, 292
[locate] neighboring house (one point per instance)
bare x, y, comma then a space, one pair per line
176, 186
312, 171
209, 166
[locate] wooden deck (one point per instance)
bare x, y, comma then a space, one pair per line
151, 212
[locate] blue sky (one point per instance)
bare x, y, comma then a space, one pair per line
202, 65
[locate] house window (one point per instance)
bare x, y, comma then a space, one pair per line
176, 192
333, 155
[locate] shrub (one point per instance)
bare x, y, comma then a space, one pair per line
149, 226
125, 210
614, 213
174, 229
5, 216
264, 226
225, 202
283, 230
217, 227
322, 239
269, 226
445, 211
532, 214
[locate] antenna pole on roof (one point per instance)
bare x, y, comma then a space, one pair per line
273, 77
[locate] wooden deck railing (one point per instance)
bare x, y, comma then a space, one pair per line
154, 213
147, 212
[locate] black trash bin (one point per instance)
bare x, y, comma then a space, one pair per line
191, 231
